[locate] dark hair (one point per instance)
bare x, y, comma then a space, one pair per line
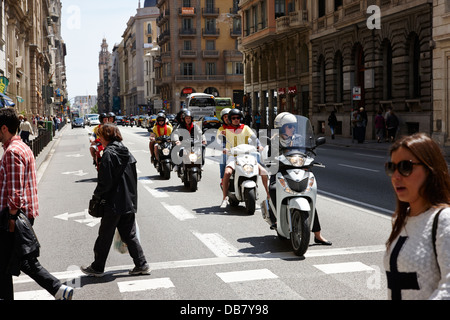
110, 132
9, 118
436, 188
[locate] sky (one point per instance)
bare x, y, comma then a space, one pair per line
84, 24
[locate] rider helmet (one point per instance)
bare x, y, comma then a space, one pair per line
102, 116
160, 115
187, 113
112, 115
235, 112
224, 112
284, 118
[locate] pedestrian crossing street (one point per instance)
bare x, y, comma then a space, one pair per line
240, 279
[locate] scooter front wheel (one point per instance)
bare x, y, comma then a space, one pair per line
250, 200
300, 234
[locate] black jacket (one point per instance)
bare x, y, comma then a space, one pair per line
119, 192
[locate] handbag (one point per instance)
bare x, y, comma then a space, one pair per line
96, 205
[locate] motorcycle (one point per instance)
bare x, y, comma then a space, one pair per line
243, 185
292, 211
97, 145
164, 163
190, 170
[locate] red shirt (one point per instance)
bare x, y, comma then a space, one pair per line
18, 186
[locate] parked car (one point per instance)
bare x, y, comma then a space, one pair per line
211, 123
78, 123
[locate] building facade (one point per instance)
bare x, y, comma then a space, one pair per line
199, 50
32, 56
310, 57
138, 39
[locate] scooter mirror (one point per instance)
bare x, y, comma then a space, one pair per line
320, 141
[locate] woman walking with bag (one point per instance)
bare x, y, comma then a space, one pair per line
417, 262
117, 186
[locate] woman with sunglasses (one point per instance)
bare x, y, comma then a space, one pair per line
420, 178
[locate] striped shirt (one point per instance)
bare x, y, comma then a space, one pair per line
18, 187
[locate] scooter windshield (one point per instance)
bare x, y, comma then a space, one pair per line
297, 136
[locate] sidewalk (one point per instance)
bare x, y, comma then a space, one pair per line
371, 144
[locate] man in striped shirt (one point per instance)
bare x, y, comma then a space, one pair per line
18, 190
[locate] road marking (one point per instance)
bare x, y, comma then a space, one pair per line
179, 212
344, 267
74, 155
33, 295
360, 168
143, 285
76, 173
204, 262
88, 219
156, 192
248, 275
347, 200
217, 244
370, 155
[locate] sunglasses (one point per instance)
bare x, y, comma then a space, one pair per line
235, 118
404, 167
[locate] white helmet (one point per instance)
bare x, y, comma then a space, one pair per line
224, 112
284, 118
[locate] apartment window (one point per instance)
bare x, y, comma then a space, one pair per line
187, 24
210, 45
187, 3
339, 77
149, 40
263, 15
337, 4
280, 8
187, 69
414, 68
210, 68
321, 8
238, 68
187, 45
209, 5
247, 22
149, 28
210, 25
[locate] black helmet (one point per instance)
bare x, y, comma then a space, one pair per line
113, 115
102, 116
235, 112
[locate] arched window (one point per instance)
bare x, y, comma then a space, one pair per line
339, 77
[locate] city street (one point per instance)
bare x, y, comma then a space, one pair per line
198, 251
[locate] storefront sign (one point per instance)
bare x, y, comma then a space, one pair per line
292, 90
281, 91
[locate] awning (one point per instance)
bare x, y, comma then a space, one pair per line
6, 101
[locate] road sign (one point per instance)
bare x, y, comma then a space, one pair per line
356, 93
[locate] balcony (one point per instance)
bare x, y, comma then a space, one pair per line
187, 54
210, 12
294, 20
187, 11
215, 54
185, 78
163, 37
210, 32
187, 32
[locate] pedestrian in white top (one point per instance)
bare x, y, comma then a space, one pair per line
418, 266
25, 130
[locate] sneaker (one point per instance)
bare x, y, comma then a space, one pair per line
64, 293
145, 269
91, 272
224, 204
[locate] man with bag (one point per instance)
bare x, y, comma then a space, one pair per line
18, 193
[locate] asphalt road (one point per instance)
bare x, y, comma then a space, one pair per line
199, 252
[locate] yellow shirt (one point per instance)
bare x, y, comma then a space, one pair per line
236, 136
160, 131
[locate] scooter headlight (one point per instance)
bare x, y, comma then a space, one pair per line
296, 161
193, 157
248, 168
166, 151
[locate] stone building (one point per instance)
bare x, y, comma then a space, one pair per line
32, 55
389, 65
199, 50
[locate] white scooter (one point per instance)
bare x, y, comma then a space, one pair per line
296, 188
243, 182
